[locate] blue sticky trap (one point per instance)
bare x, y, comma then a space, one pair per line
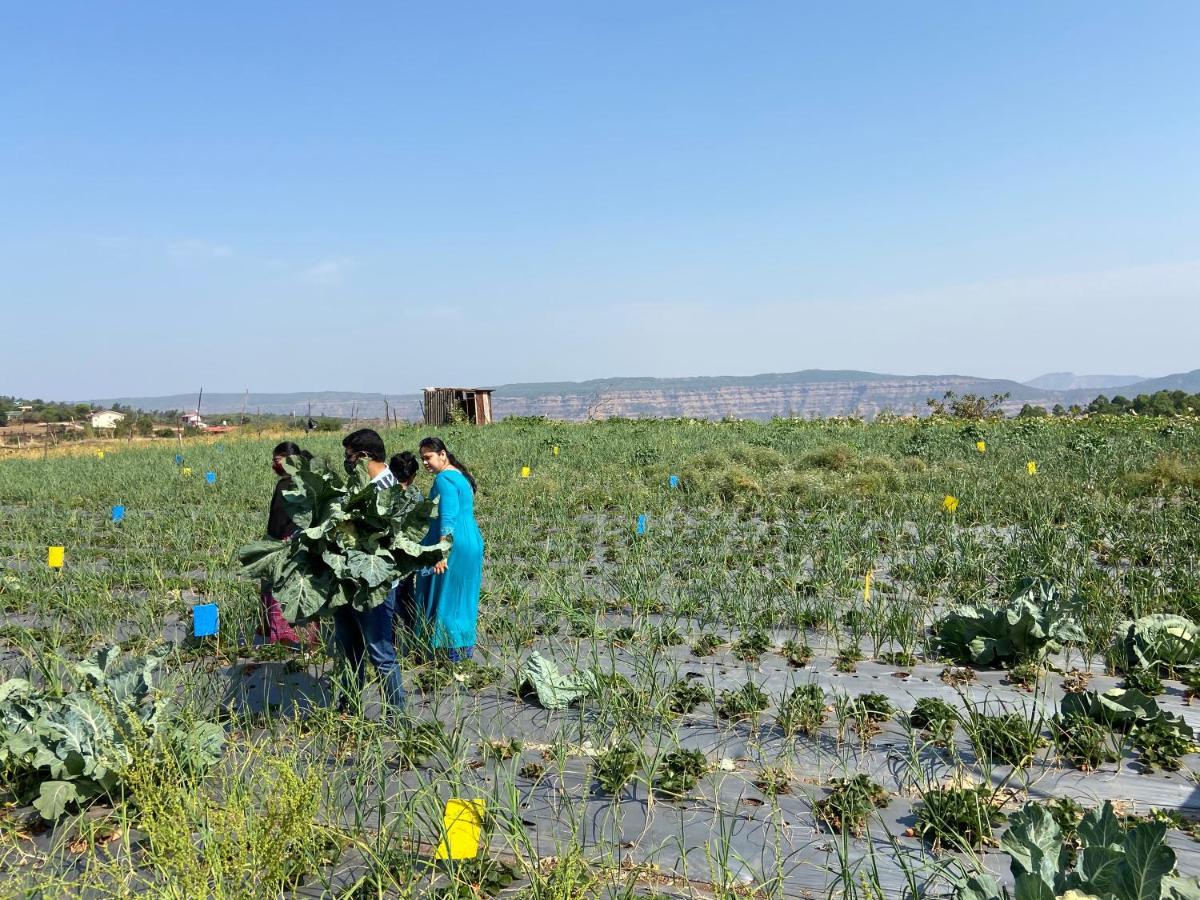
179, 459
204, 620
641, 524
210, 477
673, 481
118, 513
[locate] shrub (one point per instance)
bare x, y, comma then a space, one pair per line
958, 816
678, 772
1008, 738
615, 766
850, 803
744, 703
935, 716
1082, 742
803, 710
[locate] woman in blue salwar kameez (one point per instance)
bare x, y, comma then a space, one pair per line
447, 594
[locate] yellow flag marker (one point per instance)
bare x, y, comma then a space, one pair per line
463, 824
867, 585
556, 449
981, 446
186, 472
99, 454
54, 557
950, 504
1031, 467
524, 471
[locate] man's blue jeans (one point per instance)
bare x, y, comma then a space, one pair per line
362, 634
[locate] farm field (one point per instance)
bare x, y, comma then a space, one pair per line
837, 659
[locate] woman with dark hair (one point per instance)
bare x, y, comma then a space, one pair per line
447, 595
404, 466
280, 527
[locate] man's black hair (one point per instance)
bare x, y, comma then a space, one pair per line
368, 441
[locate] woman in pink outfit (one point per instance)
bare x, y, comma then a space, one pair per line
280, 528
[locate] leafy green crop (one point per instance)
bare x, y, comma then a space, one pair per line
1084, 742
850, 803
62, 750
614, 767
1034, 622
935, 716
1007, 738
1112, 863
958, 816
352, 542
1160, 642
678, 773
1162, 740
744, 703
1119, 708
802, 710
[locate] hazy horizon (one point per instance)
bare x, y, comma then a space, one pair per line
381, 196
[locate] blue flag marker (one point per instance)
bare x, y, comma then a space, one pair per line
210, 477
118, 513
179, 459
641, 524
673, 481
204, 620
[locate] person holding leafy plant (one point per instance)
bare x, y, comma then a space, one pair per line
404, 466
280, 527
447, 593
362, 633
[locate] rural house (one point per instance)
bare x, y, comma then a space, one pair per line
106, 419
445, 404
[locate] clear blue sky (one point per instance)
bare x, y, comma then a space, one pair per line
382, 196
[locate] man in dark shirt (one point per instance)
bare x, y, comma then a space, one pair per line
370, 633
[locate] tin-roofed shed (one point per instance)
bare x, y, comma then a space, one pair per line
443, 405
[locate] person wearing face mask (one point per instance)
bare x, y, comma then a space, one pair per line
370, 633
280, 527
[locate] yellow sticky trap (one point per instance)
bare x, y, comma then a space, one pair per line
524, 471
186, 472
1031, 467
99, 454
981, 446
950, 504
463, 825
556, 449
867, 585
54, 557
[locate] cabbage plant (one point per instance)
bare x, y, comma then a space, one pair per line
352, 542
1111, 862
58, 749
1035, 621
1160, 641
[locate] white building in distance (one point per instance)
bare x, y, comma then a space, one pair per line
107, 418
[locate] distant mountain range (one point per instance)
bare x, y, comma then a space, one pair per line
1069, 381
813, 392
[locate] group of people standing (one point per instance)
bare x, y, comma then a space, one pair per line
438, 606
